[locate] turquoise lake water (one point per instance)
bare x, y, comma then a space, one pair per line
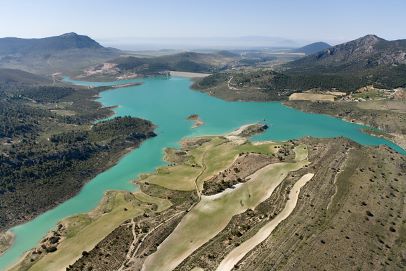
167, 103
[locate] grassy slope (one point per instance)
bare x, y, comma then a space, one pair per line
331, 208
84, 231
239, 252
203, 162
213, 213
349, 217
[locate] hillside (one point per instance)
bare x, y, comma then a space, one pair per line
247, 207
21, 77
139, 66
187, 61
64, 53
368, 52
312, 48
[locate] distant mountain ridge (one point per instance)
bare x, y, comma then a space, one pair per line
312, 48
65, 53
367, 52
45, 45
369, 60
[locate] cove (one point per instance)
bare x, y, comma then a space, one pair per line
167, 103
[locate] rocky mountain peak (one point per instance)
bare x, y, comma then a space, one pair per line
70, 34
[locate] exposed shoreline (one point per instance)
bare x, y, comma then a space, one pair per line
189, 74
127, 85
396, 138
6, 241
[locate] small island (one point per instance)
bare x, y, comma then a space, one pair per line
197, 121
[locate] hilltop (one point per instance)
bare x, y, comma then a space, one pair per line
66, 41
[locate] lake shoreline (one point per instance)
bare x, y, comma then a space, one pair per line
171, 132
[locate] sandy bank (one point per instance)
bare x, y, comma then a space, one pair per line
127, 85
6, 240
311, 97
189, 74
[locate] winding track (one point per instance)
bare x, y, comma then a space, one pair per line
239, 252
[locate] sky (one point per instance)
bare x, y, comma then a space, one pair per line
205, 21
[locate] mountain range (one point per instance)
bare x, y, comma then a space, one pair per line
367, 60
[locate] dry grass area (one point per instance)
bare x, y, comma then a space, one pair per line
189, 74
304, 96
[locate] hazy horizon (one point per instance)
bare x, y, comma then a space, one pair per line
159, 24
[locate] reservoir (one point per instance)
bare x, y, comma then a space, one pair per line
167, 102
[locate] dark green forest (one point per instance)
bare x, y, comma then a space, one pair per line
46, 153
